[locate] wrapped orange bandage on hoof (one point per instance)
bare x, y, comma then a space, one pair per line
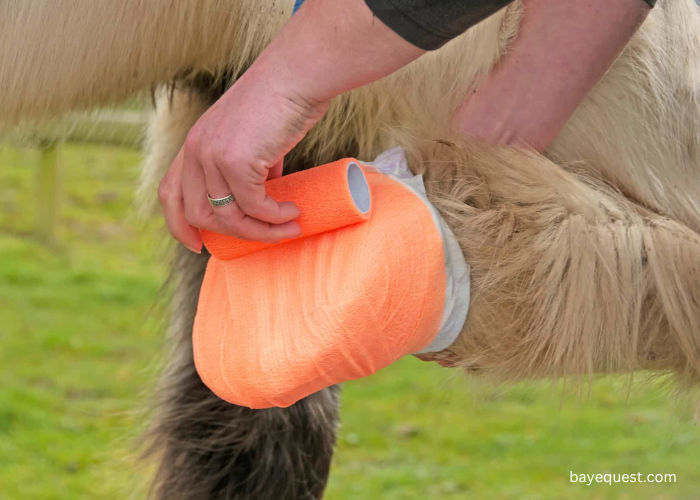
369, 281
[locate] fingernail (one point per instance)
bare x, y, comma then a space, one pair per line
193, 249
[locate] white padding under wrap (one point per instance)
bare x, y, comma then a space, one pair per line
394, 164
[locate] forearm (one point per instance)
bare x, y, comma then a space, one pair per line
330, 47
562, 50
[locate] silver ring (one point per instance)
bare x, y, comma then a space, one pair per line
221, 202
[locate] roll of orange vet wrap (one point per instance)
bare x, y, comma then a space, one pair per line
277, 325
330, 196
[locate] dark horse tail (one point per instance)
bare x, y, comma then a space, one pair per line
208, 449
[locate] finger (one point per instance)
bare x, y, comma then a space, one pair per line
216, 184
198, 210
254, 201
247, 183
237, 224
170, 195
276, 170
230, 219
227, 219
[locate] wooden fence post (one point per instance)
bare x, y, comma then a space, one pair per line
47, 196
113, 127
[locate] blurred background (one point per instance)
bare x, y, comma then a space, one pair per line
82, 316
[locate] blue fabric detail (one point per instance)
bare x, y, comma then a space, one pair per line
297, 4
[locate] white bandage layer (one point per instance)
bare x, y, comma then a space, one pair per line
394, 164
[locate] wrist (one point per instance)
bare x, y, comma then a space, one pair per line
331, 47
501, 111
279, 75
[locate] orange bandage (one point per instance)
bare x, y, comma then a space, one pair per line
329, 196
351, 296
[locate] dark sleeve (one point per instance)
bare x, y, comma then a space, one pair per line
430, 24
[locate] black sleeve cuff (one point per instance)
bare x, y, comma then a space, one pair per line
430, 24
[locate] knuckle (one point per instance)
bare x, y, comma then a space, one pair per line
193, 141
192, 220
230, 157
250, 207
195, 218
164, 191
242, 169
231, 225
174, 232
246, 206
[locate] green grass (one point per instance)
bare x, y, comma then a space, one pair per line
80, 345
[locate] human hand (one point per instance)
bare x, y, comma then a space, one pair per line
241, 141
237, 145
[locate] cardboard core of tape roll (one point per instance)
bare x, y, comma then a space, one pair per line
359, 188
329, 197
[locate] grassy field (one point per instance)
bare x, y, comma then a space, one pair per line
80, 345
